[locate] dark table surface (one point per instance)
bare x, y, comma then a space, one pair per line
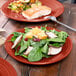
66, 67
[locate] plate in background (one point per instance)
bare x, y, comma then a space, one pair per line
56, 6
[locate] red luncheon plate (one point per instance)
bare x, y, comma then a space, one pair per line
6, 69
57, 10
65, 51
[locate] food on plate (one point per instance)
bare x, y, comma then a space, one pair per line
54, 50
51, 35
36, 12
36, 32
18, 6
38, 43
29, 49
18, 39
21, 5
30, 9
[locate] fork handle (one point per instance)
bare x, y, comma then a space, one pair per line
73, 29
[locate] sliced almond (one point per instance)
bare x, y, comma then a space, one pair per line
28, 50
51, 35
17, 41
54, 50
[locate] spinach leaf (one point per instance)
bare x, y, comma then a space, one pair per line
54, 31
24, 56
45, 55
44, 28
63, 35
27, 29
16, 34
33, 43
38, 44
44, 49
60, 39
24, 36
56, 44
13, 38
35, 55
43, 42
55, 40
24, 45
16, 53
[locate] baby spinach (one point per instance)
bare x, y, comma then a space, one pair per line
38, 44
34, 43
35, 55
63, 35
56, 44
43, 42
24, 36
45, 55
13, 38
24, 56
55, 40
44, 28
44, 49
16, 34
27, 29
24, 45
16, 53
54, 31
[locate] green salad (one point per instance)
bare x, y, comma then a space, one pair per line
37, 43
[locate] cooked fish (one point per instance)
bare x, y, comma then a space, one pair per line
51, 35
18, 39
54, 50
36, 12
28, 50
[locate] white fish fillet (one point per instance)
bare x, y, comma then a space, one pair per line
28, 50
51, 35
54, 50
17, 41
36, 12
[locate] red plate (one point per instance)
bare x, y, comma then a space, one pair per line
65, 51
57, 10
6, 69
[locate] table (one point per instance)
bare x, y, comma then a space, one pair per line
66, 67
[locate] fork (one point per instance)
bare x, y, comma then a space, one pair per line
53, 18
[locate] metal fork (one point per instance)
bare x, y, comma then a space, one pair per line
53, 18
